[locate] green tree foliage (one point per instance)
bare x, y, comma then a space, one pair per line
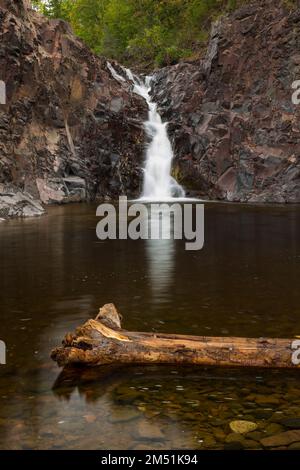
54, 8
144, 33
87, 19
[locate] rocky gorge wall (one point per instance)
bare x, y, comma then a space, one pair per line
234, 128
69, 131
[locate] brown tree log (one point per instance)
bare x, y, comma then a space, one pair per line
102, 341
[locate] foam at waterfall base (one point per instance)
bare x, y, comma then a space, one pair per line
170, 200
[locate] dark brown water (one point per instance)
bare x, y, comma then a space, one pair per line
55, 274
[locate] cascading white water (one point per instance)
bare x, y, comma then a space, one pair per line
158, 183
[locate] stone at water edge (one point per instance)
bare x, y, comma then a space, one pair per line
123, 415
15, 203
250, 444
255, 435
242, 427
267, 400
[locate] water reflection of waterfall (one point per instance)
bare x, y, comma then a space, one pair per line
159, 185
160, 256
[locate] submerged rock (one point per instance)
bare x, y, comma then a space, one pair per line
233, 125
234, 437
123, 415
242, 427
267, 400
149, 431
250, 444
281, 439
291, 423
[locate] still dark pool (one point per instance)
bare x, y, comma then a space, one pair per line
55, 274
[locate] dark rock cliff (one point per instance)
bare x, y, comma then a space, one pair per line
69, 131
234, 128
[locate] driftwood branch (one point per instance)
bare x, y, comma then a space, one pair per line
102, 341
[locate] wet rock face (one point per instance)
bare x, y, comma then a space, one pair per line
69, 130
234, 128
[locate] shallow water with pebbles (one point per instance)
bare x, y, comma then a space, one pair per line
55, 274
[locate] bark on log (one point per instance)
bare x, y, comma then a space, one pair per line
102, 341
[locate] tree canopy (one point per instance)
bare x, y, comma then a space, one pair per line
146, 33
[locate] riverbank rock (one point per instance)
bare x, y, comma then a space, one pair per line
69, 131
233, 125
15, 203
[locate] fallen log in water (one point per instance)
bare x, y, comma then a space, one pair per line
102, 341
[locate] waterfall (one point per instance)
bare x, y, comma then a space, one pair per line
159, 185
